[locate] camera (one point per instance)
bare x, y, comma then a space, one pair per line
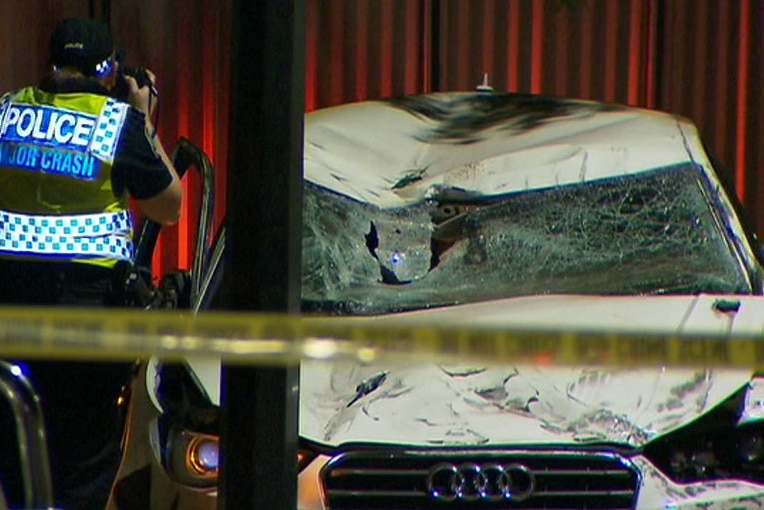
121, 90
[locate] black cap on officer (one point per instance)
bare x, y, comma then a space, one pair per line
83, 44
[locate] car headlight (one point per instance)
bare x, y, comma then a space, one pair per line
193, 458
726, 443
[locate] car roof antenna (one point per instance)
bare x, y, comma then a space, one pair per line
484, 87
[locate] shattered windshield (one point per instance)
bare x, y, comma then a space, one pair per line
649, 233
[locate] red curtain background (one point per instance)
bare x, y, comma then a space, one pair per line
698, 58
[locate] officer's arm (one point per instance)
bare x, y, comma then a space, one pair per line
164, 207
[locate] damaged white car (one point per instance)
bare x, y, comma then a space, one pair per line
514, 211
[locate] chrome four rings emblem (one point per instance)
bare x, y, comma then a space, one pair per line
472, 482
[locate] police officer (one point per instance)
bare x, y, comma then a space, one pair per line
71, 156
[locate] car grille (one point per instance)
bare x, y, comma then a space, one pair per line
413, 480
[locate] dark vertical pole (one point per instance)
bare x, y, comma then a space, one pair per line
106, 11
264, 221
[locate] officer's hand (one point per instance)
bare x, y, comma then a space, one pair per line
144, 98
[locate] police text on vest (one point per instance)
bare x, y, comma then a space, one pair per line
47, 126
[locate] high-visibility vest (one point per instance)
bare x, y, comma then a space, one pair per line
56, 198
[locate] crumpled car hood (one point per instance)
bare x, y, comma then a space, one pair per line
445, 405
432, 404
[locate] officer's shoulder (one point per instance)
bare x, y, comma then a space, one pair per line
15, 93
134, 114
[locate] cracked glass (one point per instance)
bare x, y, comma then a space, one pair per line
656, 232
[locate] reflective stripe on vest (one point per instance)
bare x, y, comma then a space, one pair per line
106, 135
100, 235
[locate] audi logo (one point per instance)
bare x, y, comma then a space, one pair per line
472, 482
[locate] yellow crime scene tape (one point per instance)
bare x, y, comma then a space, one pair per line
77, 333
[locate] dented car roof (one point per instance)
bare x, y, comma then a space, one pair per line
393, 152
